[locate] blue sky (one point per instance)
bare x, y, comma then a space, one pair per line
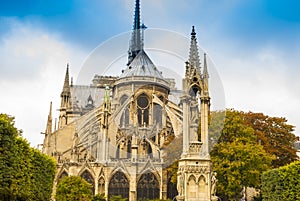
255, 45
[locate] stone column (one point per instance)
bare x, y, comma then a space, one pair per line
185, 123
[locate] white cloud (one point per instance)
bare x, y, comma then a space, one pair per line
33, 64
262, 80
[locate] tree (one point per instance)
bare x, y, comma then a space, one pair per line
117, 198
99, 197
275, 135
43, 174
237, 158
282, 183
25, 173
8, 135
73, 188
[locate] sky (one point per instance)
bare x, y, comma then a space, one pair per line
254, 44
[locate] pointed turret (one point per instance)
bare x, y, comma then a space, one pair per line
66, 93
49, 122
48, 132
65, 106
205, 71
194, 60
66, 87
205, 75
136, 43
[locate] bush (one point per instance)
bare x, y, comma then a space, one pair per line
282, 183
73, 188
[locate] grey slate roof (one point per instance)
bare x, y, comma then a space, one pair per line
141, 66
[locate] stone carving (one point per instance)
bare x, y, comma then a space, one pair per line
214, 181
194, 147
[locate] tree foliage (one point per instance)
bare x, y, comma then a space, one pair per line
282, 183
73, 188
244, 144
117, 198
275, 135
237, 158
25, 173
99, 197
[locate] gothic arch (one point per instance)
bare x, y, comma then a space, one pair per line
145, 149
118, 185
119, 167
155, 151
124, 120
123, 99
101, 185
194, 89
157, 114
87, 167
202, 184
202, 178
171, 189
123, 149
192, 187
86, 175
148, 167
61, 175
192, 178
148, 186
63, 120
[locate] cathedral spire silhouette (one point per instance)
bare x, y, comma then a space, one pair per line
136, 43
194, 60
66, 87
65, 96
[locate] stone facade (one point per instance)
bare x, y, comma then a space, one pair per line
128, 131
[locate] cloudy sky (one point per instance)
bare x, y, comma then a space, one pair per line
255, 45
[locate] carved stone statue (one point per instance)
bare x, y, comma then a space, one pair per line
214, 181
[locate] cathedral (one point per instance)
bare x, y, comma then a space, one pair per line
127, 133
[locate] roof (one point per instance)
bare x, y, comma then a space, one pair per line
141, 66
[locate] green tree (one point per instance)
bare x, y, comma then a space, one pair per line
237, 158
99, 197
43, 173
25, 173
73, 188
275, 135
117, 198
282, 183
8, 136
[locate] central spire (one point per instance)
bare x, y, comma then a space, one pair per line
137, 23
136, 43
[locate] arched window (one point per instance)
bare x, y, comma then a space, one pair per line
143, 105
124, 121
171, 189
119, 185
145, 150
118, 152
148, 187
129, 149
101, 185
62, 175
86, 175
194, 91
157, 114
